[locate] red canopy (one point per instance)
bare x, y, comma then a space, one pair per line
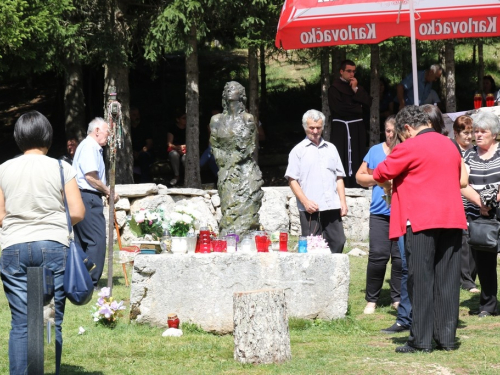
319, 23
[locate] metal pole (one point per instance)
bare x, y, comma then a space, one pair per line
414, 53
35, 320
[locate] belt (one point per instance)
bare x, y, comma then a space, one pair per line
91, 192
348, 141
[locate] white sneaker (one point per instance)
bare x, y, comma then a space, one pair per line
173, 181
370, 308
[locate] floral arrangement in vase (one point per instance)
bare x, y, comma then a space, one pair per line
317, 244
182, 220
150, 222
107, 311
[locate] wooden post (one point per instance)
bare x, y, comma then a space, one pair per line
261, 332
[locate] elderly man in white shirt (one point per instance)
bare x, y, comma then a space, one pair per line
315, 175
91, 179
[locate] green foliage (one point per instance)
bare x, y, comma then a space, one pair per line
28, 30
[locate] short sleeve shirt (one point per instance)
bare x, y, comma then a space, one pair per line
424, 87
375, 156
316, 169
34, 207
88, 158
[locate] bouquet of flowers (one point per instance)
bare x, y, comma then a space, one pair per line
182, 219
150, 222
107, 311
317, 244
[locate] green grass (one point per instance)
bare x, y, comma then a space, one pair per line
347, 346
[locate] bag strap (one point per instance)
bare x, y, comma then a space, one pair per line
68, 219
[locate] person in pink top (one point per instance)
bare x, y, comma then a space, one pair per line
427, 209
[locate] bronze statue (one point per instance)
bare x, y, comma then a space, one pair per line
233, 138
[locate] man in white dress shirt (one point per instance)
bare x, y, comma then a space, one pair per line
315, 175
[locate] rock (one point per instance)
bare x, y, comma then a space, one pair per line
215, 200
162, 189
136, 190
122, 204
293, 214
357, 252
121, 218
127, 236
207, 218
200, 287
273, 213
152, 202
355, 224
187, 192
172, 332
218, 214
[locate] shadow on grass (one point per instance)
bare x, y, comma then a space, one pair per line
77, 370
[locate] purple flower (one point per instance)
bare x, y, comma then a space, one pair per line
105, 292
106, 311
101, 301
117, 306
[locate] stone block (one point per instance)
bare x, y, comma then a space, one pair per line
356, 227
136, 190
152, 202
199, 287
293, 213
121, 218
122, 204
273, 214
215, 200
187, 192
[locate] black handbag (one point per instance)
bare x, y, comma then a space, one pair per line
483, 234
78, 285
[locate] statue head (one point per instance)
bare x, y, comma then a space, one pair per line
227, 97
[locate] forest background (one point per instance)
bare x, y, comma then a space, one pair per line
62, 56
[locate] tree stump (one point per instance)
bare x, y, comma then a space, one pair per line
261, 332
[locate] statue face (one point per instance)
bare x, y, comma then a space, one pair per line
232, 91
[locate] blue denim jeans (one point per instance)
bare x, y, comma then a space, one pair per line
15, 261
404, 310
207, 157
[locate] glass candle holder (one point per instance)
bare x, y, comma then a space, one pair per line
302, 244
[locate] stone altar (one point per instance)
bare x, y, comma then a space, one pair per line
199, 287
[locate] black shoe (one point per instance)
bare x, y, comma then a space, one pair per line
410, 349
395, 328
484, 314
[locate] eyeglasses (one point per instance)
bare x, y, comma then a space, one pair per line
350, 71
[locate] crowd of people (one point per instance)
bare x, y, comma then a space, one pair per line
426, 188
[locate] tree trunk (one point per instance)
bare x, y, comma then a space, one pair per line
74, 101
263, 79
338, 55
116, 75
375, 94
442, 79
192, 178
480, 72
325, 85
451, 99
253, 76
261, 332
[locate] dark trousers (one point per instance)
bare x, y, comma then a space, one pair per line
326, 223
339, 138
486, 264
90, 233
433, 258
404, 310
381, 250
468, 271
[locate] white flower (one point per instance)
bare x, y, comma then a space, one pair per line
139, 217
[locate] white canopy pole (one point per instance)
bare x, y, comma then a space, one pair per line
413, 53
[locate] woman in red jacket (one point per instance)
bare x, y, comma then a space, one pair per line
427, 209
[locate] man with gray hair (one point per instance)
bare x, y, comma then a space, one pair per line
315, 175
88, 162
425, 79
